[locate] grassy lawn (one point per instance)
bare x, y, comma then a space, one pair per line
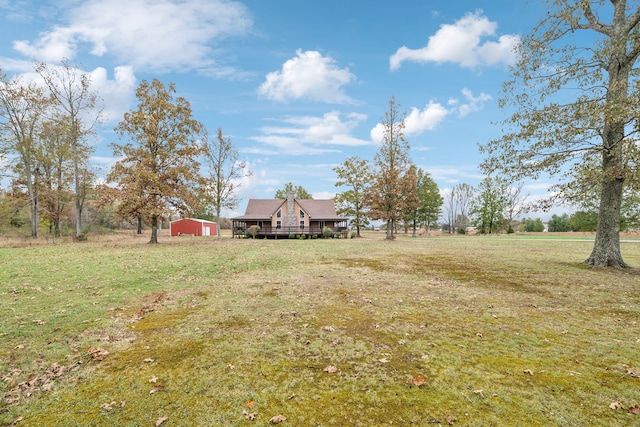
472, 331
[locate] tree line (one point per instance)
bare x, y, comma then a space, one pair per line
166, 165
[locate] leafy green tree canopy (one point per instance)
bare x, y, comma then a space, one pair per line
298, 192
575, 97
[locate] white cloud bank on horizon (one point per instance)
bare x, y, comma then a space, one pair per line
308, 75
461, 43
158, 35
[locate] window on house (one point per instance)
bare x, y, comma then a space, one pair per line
301, 225
278, 224
279, 214
301, 213
321, 225
260, 224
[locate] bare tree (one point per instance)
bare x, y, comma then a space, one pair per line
23, 108
225, 172
79, 107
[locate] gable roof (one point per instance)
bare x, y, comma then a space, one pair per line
263, 209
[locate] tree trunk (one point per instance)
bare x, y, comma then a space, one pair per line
154, 229
78, 199
139, 224
218, 223
606, 249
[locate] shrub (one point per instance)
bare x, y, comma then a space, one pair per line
253, 231
327, 233
353, 234
292, 235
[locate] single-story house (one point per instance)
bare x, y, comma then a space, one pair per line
193, 227
280, 218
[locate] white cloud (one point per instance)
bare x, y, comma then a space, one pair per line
300, 135
115, 93
472, 103
151, 34
417, 121
461, 43
308, 75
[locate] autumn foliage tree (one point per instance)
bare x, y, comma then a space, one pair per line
158, 170
386, 196
575, 95
355, 175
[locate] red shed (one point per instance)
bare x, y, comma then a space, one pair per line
193, 227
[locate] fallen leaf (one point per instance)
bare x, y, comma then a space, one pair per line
16, 421
528, 371
231, 366
277, 419
249, 415
161, 420
328, 329
291, 396
615, 405
249, 403
383, 360
418, 380
148, 360
450, 419
18, 347
635, 410
480, 392
632, 374
97, 353
156, 389
153, 379
330, 369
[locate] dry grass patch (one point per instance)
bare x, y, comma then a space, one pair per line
462, 331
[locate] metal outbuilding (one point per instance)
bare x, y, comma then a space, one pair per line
193, 227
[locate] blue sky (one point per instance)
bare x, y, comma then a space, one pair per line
299, 86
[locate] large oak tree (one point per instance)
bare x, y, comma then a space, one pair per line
158, 170
575, 94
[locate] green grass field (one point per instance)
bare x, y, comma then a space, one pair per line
470, 331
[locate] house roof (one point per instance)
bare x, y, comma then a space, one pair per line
263, 209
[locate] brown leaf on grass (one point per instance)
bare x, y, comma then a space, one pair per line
16, 421
418, 381
330, 369
635, 410
277, 419
18, 347
480, 392
97, 353
249, 403
156, 389
249, 415
148, 360
450, 419
161, 420
615, 405
291, 396
153, 379
528, 371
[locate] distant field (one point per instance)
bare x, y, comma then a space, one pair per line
462, 330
